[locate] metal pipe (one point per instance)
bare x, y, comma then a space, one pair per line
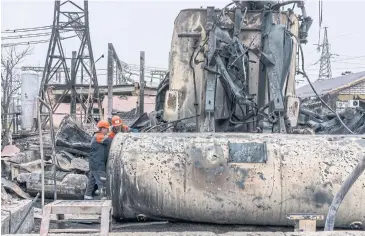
41, 147
26, 214
337, 200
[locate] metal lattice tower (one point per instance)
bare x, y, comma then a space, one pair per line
325, 60
71, 17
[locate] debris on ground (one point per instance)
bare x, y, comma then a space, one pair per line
21, 163
9, 151
326, 122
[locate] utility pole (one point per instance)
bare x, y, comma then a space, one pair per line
325, 71
110, 81
141, 82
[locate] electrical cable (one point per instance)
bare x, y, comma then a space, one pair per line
212, 29
27, 29
314, 90
32, 42
31, 35
349, 58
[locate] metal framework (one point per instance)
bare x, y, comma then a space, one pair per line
325, 71
77, 20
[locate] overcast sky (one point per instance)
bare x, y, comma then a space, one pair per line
133, 26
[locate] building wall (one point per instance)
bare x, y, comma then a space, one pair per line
124, 104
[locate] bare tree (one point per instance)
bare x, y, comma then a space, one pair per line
11, 58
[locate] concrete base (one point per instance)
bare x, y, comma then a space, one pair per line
201, 233
10, 221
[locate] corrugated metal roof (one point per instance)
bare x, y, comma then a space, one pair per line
325, 86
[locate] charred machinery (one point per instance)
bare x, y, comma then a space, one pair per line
228, 111
233, 70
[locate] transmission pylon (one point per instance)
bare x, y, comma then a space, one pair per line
69, 16
325, 71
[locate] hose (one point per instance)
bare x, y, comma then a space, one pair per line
314, 90
337, 200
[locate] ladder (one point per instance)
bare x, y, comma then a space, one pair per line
63, 207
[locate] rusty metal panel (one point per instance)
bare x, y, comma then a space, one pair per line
247, 152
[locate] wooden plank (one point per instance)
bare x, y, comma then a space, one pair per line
54, 203
77, 220
105, 222
45, 220
79, 202
107, 203
60, 217
74, 231
307, 226
76, 210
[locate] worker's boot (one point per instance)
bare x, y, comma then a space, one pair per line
88, 197
103, 194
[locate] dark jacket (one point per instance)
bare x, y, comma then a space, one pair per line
100, 145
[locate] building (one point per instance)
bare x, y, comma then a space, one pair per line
125, 101
339, 93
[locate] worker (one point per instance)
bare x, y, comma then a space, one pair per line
117, 126
98, 155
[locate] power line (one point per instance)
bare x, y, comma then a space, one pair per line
350, 58
32, 42
27, 29
344, 68
344, 62
31, 35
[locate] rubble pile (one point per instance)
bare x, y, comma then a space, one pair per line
21, 163
328, 123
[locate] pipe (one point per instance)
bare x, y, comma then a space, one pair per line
26, 214
337, 200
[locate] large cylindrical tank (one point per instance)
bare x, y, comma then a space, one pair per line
29, 88
233, 178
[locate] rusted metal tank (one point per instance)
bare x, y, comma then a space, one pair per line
233, 178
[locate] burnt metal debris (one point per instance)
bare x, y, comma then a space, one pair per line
21, 171
227, 64
233, 70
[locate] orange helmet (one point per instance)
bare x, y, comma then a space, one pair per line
103, 124
116, 121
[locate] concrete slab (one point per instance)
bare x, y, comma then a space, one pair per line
333, 233
11, 215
